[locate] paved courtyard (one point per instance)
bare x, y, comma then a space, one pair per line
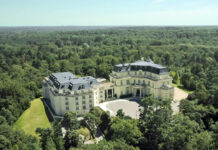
131, 108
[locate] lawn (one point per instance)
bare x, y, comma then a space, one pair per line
32, 118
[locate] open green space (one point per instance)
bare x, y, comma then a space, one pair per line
33, 118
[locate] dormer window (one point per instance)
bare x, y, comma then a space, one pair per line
62, 86
70, 87
81, 87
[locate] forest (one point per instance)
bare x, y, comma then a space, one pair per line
190, 53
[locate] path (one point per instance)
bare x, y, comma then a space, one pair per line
178, 96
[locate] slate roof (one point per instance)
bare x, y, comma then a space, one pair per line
149, 62
64, 79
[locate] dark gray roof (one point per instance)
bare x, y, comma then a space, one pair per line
149, 62
148, 65
63, 77
62, 80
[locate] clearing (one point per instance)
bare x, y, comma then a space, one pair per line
32, 118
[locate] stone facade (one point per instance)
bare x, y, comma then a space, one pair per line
65, 92
142, 78
80, 99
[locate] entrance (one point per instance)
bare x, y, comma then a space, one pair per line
138, 92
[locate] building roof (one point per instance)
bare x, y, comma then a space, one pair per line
64, 79
149, 62
148, 65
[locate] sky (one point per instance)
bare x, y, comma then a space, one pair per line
108, 12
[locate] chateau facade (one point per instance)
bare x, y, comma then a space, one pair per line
142, 78
65, 92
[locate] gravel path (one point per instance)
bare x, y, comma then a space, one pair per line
178, 96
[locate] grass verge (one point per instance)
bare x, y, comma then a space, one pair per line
32, 118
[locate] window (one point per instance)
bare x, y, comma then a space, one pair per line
134, 81
77, 103
127, 90
76, 98
143, 82
77, 108
67, 103
84, 107
81, 87
84, 97
90, 105
90, 96
66, 98
67, 108
84, 102
90, 101
62, 86
140, 73
127, 82
121, 82
138, 81
70, 87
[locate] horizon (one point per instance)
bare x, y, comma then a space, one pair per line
29, 13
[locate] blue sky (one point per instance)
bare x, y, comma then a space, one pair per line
108, 12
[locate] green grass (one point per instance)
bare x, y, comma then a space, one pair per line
32, 118
182, 88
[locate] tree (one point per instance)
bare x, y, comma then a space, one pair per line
71, 139
105, 121
120, 113
90, 122
4, 143
109, 145
154, 117
125, 129
46, 140
69, 121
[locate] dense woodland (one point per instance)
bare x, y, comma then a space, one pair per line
190, 53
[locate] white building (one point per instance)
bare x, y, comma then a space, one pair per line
142, 78
65, 92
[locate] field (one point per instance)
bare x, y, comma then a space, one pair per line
34, 117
